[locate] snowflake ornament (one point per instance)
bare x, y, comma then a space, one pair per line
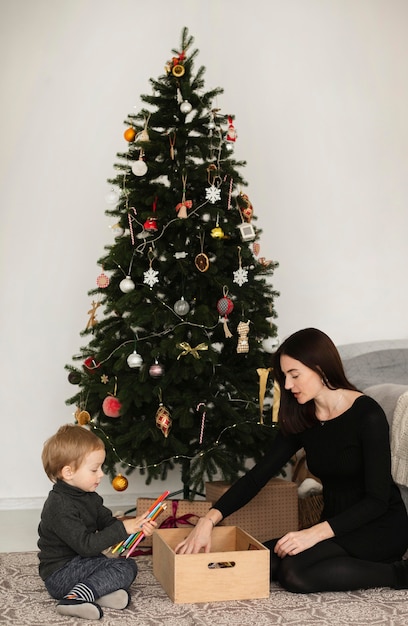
150, 277
213, 194
240, 276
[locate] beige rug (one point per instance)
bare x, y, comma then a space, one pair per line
25, 602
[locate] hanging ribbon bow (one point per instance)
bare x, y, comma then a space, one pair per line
187, 349
172, 521
263, 373
182, 207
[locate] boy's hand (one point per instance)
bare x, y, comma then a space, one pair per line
135, 524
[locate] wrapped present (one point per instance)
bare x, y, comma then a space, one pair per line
178, 514
270, 514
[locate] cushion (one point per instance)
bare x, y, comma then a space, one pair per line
387, 396
375, 368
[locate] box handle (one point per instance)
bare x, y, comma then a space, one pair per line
221, 564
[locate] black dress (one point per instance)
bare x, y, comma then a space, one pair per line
351, 456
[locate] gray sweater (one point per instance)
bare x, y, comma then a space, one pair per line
74, 522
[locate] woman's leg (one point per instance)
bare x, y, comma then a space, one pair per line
328, 567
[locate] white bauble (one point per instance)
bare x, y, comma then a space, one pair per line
139, 168
134, 360
126, 285
185, 107
181, 307
270, 344
112, 197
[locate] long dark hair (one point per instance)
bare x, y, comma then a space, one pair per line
317, 351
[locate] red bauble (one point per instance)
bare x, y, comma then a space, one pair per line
111, 406
151, 225
225, 306
90, 364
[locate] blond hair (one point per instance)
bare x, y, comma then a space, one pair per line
69, 446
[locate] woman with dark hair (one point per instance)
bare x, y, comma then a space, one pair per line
362, 535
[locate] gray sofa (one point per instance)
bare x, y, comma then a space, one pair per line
379, 369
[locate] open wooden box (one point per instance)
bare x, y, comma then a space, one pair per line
237, 568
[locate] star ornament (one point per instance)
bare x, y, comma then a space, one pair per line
213, 194
150, 277
240, 276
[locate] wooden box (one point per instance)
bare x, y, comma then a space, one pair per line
272, 513
237, 568
179, 513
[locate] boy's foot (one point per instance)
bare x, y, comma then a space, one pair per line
116, 600
79, 608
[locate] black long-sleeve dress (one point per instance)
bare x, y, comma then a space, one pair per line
351, 456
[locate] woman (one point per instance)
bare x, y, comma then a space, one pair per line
363, 532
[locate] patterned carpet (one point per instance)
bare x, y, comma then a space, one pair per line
25, 602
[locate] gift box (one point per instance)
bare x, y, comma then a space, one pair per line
237, 568
179, 513
270, 514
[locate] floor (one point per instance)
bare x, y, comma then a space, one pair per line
19, 530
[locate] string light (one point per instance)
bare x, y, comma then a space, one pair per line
176, 457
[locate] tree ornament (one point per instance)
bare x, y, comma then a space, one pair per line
186, 107
120, 483
127, 285
134, 360
129, 134
117, 230
111, 406
256, 248
217, 232
203, 412
82, 417
102, 281
243, 344
202, 262
181, 307
231, 133
92, 313
156, 370
162, 418
139, 167
74, 378
150, 224
90, 364
112, 197
263, 373
178, 70
182, 207
247, 231
172, 142
213, 194
150, 277
225, 306
245, 205
240, 275
144, 135
187, 349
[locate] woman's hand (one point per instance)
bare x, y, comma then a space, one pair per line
135, 524
297, 541
198, 539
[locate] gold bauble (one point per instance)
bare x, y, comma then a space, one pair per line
120, 483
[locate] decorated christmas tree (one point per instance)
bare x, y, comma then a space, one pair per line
176, 369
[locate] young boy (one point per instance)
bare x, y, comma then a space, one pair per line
76, 527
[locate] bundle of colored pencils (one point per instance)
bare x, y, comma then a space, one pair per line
134, 539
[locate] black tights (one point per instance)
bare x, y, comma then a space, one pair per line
327, 567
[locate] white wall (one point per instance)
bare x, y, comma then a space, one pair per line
320, 95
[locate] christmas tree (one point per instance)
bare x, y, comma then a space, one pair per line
176, 370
